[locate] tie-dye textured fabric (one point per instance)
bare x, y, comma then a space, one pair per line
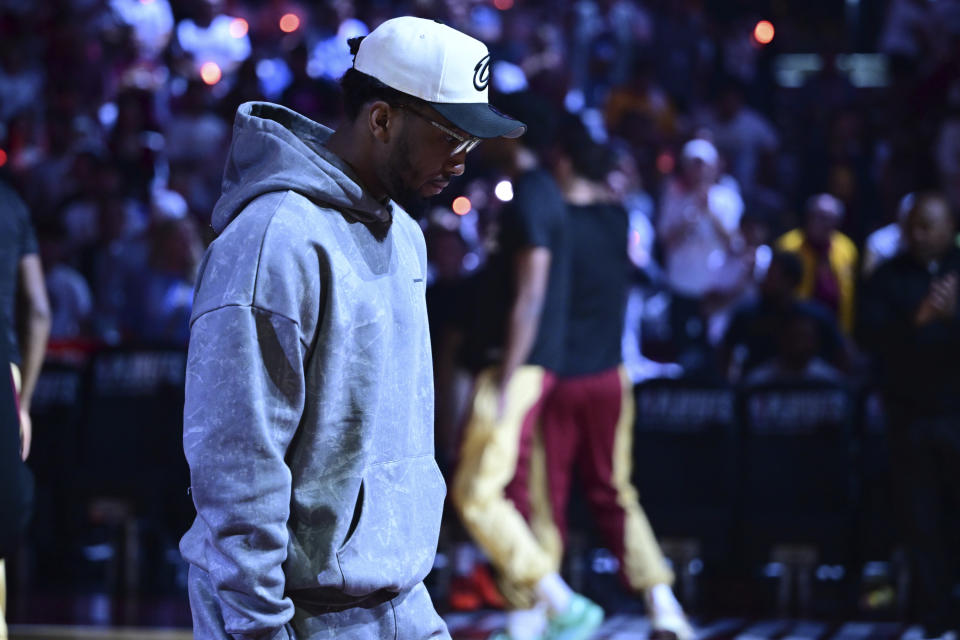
308, 423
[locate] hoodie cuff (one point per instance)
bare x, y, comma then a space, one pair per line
281, 633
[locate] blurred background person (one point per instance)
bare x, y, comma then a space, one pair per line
589, 417
909, 322
25, 320
697, 227
887, 241
797, 359
754, 335
515, 346
23, 303
830, 258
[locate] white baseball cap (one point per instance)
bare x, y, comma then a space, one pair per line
701, 149
440, 65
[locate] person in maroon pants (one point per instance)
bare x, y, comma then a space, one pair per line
589, 417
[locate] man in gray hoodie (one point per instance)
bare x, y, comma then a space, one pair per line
308, 423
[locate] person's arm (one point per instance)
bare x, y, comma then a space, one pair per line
33, 325
532, 271
674, 221
244, 399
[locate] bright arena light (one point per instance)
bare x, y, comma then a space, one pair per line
3, 157
210, 73
289, 23
763, 32
503, 5
504, 191
461, 205
239, 28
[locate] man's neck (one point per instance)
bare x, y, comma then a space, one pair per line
342, 142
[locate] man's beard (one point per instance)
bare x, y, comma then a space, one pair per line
398, 165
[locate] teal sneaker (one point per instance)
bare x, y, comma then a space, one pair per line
578, 622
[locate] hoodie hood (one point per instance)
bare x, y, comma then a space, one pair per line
276, 149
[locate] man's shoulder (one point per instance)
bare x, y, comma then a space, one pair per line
281, 216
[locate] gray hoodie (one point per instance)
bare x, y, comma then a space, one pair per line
308, 423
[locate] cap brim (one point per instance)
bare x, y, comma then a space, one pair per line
480, 119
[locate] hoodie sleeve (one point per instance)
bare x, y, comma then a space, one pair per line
245, 394
244, 398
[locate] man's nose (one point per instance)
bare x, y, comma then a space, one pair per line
457, 164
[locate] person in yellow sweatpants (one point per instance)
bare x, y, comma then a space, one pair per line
514, 340
589, 418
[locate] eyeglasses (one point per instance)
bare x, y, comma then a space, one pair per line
463, 144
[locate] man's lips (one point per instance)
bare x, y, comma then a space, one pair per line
437, 185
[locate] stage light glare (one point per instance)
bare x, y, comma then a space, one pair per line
289, 23
504, 191
3, 157
763, 32
461, 205
503, 5
239, 28
210, 73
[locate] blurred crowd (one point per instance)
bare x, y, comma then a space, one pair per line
115, 119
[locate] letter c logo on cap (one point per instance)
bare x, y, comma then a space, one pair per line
481, 73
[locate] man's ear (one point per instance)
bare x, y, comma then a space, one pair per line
381, 118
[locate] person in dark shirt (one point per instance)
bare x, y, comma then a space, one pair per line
24, 308
515, 344
589, 417
21, 280
753, 335
909, 322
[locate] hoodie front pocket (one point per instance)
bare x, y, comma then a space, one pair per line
395, 538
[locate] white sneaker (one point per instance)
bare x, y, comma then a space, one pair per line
666, 615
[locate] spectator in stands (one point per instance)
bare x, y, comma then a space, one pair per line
743, 135
887, 241
797, 358
829, 258
133, 141
641, 103
910, 322
697, 228
160, 301
194, 171
21, 78
753, 335
744, 269
71, 301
